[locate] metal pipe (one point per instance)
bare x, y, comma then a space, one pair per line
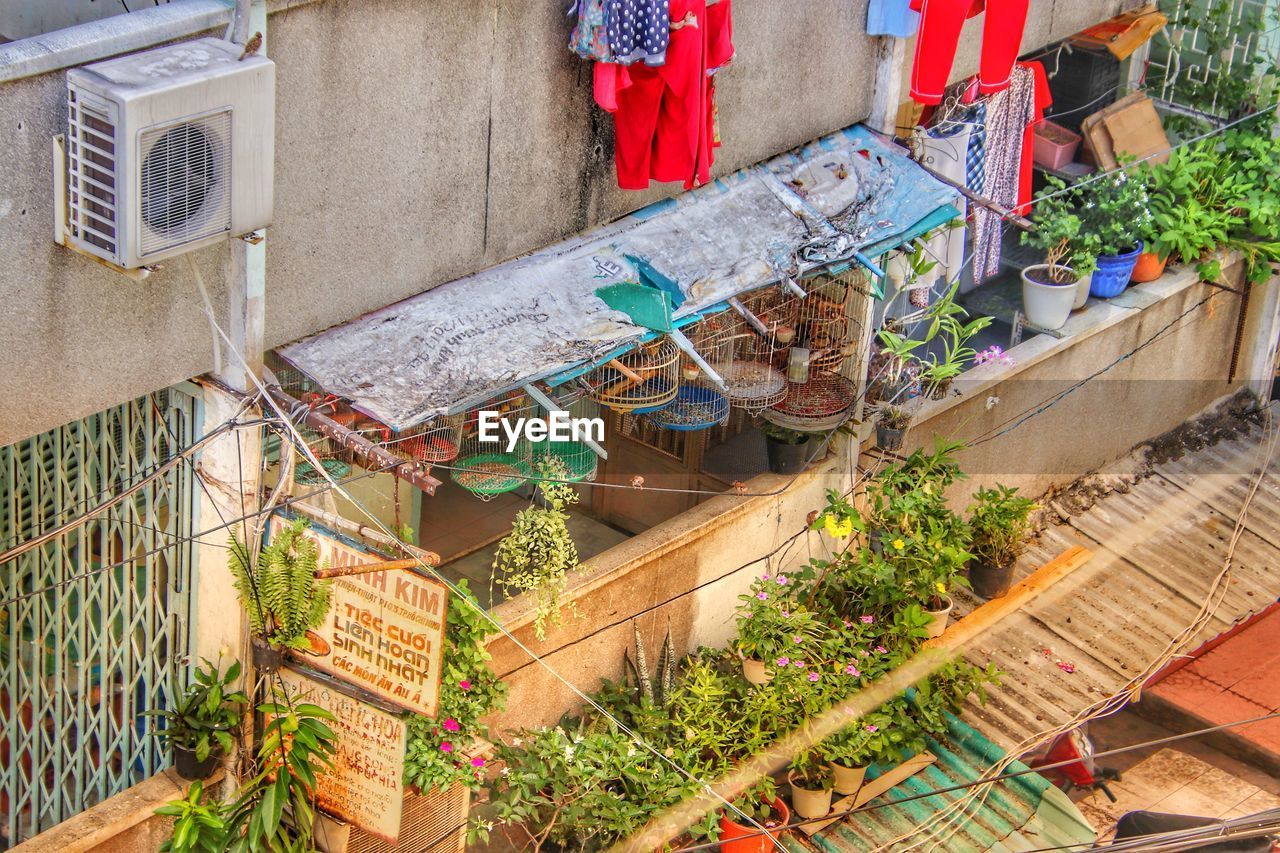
682, 341
379, 457
380, 566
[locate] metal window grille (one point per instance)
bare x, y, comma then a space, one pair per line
1181, 63
91, 173
93, 644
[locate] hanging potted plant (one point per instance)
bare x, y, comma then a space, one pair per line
998, 519
1114, 215
773, 627
1050, 291
891, 427
281, 594
812, 784
203, 723
787, 449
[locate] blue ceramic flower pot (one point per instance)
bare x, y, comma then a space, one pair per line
1113, 273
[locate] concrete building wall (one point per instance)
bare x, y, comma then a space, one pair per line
416, 141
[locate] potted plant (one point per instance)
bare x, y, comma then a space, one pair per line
848, 752
1114, 214
772, 627
1050, 291
812, 784
198, 826
766, 810
788, 449
998, 520
281, 593
202, 724
891, 427
945, 319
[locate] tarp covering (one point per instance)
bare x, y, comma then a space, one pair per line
461, 343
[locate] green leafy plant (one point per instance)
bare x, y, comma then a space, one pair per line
437, 749
280, 591
772, 623
810, 769
274, 811
537, 555
198, 827
208, 713
1114, 211
1057, 234
782, 434
895, 417
998, 519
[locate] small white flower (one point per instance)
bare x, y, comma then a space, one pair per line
992, 402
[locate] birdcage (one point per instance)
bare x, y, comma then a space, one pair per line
292, 381
576, 457
641, 380
490, 461
435, 442
747, 356
695, 407
822, 403
824, 328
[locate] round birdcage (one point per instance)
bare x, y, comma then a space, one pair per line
695, 407
824, 327
578, 460
746, 360
641, 380
489, 462
821, 404
305, 474
437, 441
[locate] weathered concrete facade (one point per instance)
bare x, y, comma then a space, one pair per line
416, 141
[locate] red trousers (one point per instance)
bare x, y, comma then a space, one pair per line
940, 24
663, 117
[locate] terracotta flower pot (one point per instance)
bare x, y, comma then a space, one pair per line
809, 803
848, 779
940, 619
743, 838
1149, 267
754, 671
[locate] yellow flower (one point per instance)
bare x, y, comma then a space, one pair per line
940, 587
841, 529
899, 544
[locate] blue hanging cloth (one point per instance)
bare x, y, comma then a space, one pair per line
892, 18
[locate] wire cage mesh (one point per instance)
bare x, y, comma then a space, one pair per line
824, 327
748, 349
435, 442
577, 461
641, 380
696, 407
823, 402
487, 466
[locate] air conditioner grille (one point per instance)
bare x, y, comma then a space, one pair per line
92, 175
184, 182
434, 822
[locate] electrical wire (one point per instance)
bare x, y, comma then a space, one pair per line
1004, 777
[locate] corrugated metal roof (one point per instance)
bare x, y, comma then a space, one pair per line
1157, 549
1021, 814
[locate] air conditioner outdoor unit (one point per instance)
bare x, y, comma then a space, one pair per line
168, 150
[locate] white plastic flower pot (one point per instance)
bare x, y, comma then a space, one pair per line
1082, 291
1047, 306
807, 803
940, 620
754, 671
848, 780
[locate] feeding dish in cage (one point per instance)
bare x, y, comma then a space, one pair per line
823, 403
751, 385
435, 442
490, 474
305, 474
694, 408
642, 380
579, 460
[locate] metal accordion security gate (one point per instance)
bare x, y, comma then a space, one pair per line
93, 624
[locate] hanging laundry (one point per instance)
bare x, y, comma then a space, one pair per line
946, 151
638, 30
589, 38
892, 18
1008, 115
665, 117
941, 22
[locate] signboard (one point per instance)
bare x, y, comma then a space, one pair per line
385, 630
365, 786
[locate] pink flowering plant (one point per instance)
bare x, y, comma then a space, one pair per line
773, 625
437, 755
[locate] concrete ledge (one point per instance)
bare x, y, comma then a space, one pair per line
125, 822
1159, 710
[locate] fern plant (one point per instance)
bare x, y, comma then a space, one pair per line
279, 590
538, 553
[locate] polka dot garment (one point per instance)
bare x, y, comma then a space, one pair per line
639, 30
